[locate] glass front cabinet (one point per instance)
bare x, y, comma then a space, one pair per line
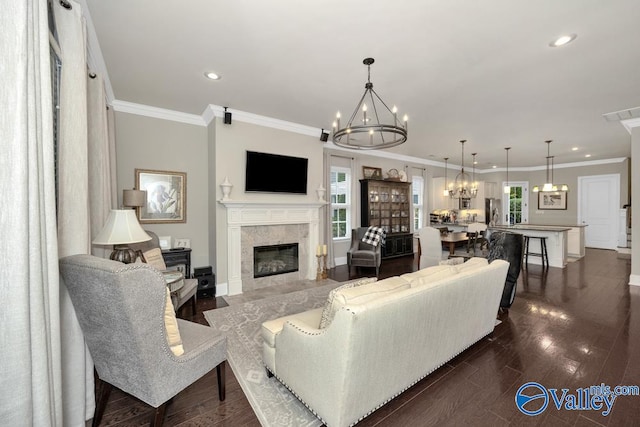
387, 204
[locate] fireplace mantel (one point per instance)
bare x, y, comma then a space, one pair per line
254, 213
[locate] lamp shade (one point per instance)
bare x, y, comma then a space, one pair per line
122, 227
134, 198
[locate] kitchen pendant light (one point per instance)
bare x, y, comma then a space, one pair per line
446, 187
474, 183
549, 186
507, 188
461, 189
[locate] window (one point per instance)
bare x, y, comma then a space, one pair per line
418, 201
517, 210
340, 202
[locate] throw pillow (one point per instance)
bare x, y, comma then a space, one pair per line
154, 259
328, 313
171, 326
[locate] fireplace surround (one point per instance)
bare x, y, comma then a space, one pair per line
241, 214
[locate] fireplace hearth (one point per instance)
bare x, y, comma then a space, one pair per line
275, 259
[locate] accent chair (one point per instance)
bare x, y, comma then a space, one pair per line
362, 254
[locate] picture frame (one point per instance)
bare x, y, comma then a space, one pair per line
556, 200
369, 172
166, 196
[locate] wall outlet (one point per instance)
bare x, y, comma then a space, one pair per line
182, 243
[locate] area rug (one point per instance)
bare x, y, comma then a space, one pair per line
273, 404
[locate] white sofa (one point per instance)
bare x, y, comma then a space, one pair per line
385, 337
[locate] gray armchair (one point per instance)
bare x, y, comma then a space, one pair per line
362, 254
121, 309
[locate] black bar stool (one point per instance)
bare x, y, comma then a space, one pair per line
543, 254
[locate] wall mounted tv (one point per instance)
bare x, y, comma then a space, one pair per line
274, 173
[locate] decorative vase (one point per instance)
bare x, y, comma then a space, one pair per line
321, 192
226, 189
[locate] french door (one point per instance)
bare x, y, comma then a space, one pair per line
515, 205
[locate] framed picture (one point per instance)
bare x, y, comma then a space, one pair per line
166, 196
371, 173
552, 200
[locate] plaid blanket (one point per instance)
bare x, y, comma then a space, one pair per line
374, 236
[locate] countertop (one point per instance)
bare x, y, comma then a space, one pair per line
553, 228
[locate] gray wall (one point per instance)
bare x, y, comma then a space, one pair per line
149, 143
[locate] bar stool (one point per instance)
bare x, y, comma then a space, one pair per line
543, 254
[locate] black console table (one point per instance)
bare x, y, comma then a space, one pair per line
178, 256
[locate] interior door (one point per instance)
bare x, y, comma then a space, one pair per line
598, 204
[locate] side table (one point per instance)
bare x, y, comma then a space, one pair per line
178, 256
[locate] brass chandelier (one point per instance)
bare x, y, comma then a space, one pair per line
376, 128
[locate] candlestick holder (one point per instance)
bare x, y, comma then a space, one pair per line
324, 266
319, 274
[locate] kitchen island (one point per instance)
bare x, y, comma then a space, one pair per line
557, 239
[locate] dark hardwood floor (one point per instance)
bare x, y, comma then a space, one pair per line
568, 328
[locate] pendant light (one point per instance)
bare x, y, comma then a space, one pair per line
474, 184
507, 188
549, 186
445, 192
461, 188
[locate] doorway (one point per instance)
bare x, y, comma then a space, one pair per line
598, 205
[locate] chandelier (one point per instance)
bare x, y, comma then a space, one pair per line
370, 131
463, 186
549, 186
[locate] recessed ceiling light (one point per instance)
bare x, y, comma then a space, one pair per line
562, 40
574, 148
494, 166
211, 75
587, 155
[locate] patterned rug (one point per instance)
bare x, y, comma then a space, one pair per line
273, 404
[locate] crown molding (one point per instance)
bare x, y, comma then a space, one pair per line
157, 113
630, 124
242, 116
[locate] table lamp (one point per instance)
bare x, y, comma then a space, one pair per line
122, 227
134, 198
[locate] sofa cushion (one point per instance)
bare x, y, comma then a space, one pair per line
271, 328
430, 272
360, 295
472, 264
452, 261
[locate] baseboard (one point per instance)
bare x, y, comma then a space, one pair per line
340, 261
222, 289
634, 280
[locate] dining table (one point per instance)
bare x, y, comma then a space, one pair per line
454, 238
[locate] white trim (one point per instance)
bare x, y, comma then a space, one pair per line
270, 122
157, 113
255, 213
634, 280
222, 289
630, 124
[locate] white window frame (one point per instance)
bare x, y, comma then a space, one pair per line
346, 205
524, 208
417, 188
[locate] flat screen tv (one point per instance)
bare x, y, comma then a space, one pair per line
274, 173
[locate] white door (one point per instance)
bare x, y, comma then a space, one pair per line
515, 206
598, 205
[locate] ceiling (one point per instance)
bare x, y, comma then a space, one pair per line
460, 69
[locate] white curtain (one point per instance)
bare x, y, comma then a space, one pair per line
86, 164
326, 211
46, 374
30, 374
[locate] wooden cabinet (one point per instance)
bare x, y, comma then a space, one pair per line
387, 204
